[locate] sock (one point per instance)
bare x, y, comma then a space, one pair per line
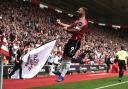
62, 65
51, 69
66, 67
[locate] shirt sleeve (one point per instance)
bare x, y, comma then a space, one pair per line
73, 24
117, 53
127, 54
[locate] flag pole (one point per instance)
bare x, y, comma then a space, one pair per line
1, 73
1, 67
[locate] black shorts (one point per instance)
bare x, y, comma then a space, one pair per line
121, 64
71, 47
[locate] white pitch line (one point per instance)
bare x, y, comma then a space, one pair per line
111, 85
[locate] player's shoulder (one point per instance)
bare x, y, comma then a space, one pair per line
122, 52
83, 21
118, 52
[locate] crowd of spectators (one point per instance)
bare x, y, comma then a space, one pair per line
29, 26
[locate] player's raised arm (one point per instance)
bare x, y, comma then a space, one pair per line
71, 30
62, 24
66, 27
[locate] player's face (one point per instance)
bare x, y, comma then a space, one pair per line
80, 11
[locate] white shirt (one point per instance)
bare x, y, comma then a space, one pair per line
15, 49
56, 59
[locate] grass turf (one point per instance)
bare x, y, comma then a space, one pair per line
90, 84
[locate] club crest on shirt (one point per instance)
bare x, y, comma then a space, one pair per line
79, 26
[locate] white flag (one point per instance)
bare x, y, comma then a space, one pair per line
35, 60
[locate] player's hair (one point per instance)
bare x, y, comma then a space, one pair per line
85, 9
